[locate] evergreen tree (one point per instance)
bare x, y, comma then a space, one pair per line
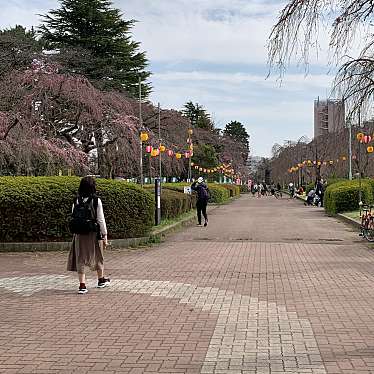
237, 131
205, 154
18, 47
198, 116
114, 59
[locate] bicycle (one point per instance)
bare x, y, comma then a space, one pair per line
367, 223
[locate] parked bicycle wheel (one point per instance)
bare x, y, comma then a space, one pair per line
369, 230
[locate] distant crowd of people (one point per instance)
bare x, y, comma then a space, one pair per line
314, 196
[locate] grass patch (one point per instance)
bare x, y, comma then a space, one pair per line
354, 215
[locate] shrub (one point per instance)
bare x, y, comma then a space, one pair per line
344, 196
38, 208
174, 201
244, 189
218, 194
233, 189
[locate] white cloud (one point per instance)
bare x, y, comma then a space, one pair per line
225, 41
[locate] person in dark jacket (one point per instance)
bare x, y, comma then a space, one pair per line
202, 199
320, 190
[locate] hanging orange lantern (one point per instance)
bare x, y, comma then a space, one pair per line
178, 156
148, 148
162, 148
344, 158
154, 152
360, 136
190, 131
319, 163
370, 149
144, 136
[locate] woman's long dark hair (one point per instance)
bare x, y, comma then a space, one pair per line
87, 187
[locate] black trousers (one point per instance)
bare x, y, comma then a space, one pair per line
201, 208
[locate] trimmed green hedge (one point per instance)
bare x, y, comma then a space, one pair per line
174, 201
218, 194
233, 189
344, 196
38, 208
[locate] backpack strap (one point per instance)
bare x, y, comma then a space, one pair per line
95, 203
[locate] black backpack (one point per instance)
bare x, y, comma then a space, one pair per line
83, 219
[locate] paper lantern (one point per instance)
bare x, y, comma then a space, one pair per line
191, 147
200, 169
170, 153
366, 139
370, 149
154, 152
162, 148
204, 170
148, 148
344, 158
196, 167
178, 156
331, 162
192, 163
319, 163
190, 131
144, 136
324, 163
360, 136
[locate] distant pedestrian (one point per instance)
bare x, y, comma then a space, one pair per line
90, 235
291, 190
254, 189
320, 190
202, 199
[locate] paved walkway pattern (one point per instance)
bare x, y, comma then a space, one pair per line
270, 287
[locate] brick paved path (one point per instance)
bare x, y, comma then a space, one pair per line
269, 287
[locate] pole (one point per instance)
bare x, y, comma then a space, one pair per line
160, 140
141, 128
359, 165
350, 149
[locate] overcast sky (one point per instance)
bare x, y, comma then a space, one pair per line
214, 52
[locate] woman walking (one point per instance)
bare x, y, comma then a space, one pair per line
90, 235
202, 199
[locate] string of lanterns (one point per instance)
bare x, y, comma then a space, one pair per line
361, 137
309, 163
187, 154
223, 169
155, 151
365, 139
